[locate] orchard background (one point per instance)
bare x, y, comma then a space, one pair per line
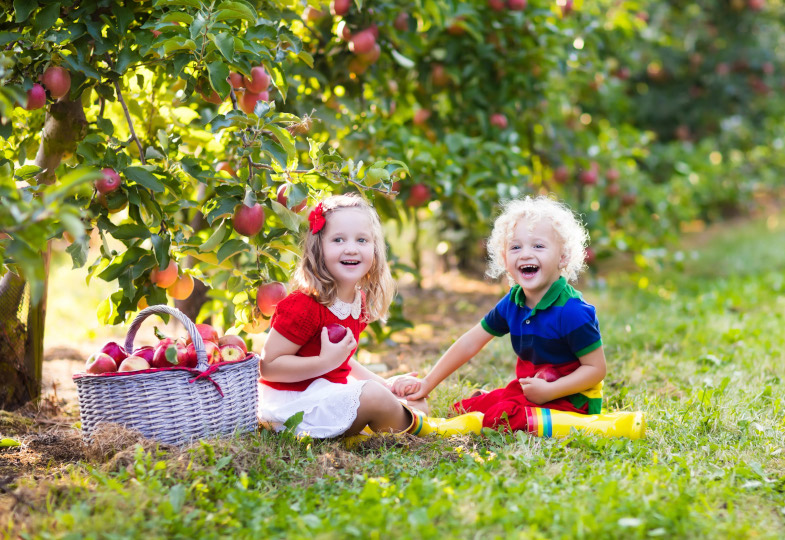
169, 150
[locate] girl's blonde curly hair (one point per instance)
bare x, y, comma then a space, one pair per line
312, 277
569, 229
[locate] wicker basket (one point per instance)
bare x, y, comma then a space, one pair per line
173, 405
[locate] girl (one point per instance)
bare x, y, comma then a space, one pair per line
342, 278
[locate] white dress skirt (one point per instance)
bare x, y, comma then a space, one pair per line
329, 409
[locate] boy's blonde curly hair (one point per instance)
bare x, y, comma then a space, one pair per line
566, 224
312, 277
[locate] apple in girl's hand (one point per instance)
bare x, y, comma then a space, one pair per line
100, 362
548, 374
231, 353
147, 352
116, 351
134, 363
231, 339
336, 332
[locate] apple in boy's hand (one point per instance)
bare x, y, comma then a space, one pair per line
116, 351
548, 374
336, 332
231, 339
231, 353
100, 362
134, 363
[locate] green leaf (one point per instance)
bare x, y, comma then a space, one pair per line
230, 248
47, 17
79, 251
171, 355
7, 443
169, 3
218, 72
294, 421
219, 208
145, 178
225, 44
161, 245
234, 10
177, 497
23, 9
28, 171
287, 142
306, 57
124, 16
178, 43
401, 59
8, 37
121, 263
290, 220
177, 16
131, 230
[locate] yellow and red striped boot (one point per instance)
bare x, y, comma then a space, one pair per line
446, 427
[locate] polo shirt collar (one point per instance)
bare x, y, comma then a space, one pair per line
519, 298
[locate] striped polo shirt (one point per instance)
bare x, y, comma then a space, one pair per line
560, 329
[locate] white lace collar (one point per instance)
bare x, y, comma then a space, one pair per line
342, 309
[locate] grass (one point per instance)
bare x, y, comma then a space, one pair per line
698, 345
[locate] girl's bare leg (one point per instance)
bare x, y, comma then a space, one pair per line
421, 405
380, 410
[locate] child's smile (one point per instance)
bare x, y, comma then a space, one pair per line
534, 258
348, 248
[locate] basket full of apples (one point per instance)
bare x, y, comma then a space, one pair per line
176, 392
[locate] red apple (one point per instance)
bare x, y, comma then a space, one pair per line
147, 352
231, 353
336, 332
249, 100
548, 374
268, 295
590, 256
588, 177
134, 363
236, 80
561, 174
213, 352
419, 195
57, 80
612, 175
36, 97
207, 332
340, 7
401, 21
231, 339
499, 120
566, 8
116, 351
439, 75
100, 362
227, 167
159, 356
248, 220
190, 358
516, 5
109, 182
371, 56
496, 5
164, 278
421, 116
259, 80
362, 42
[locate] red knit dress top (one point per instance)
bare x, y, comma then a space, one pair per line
300, 319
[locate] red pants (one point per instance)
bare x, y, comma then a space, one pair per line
511, 402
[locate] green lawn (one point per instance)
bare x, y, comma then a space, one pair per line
696, 344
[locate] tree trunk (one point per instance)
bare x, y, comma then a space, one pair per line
22, 343
192, 305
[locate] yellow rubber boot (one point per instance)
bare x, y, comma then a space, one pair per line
446, 427
549, 423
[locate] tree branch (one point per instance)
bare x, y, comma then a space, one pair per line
128, 119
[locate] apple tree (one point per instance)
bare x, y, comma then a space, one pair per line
162, 132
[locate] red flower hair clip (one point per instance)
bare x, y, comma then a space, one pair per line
316, 219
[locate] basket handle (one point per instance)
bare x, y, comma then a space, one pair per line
196, 337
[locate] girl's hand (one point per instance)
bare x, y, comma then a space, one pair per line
419, 391
536, 390
403, 385
335, 354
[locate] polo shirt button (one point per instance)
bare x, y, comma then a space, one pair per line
528, 321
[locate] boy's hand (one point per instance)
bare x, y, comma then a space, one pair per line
403, 385
536, 390
419, 391
335, 354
